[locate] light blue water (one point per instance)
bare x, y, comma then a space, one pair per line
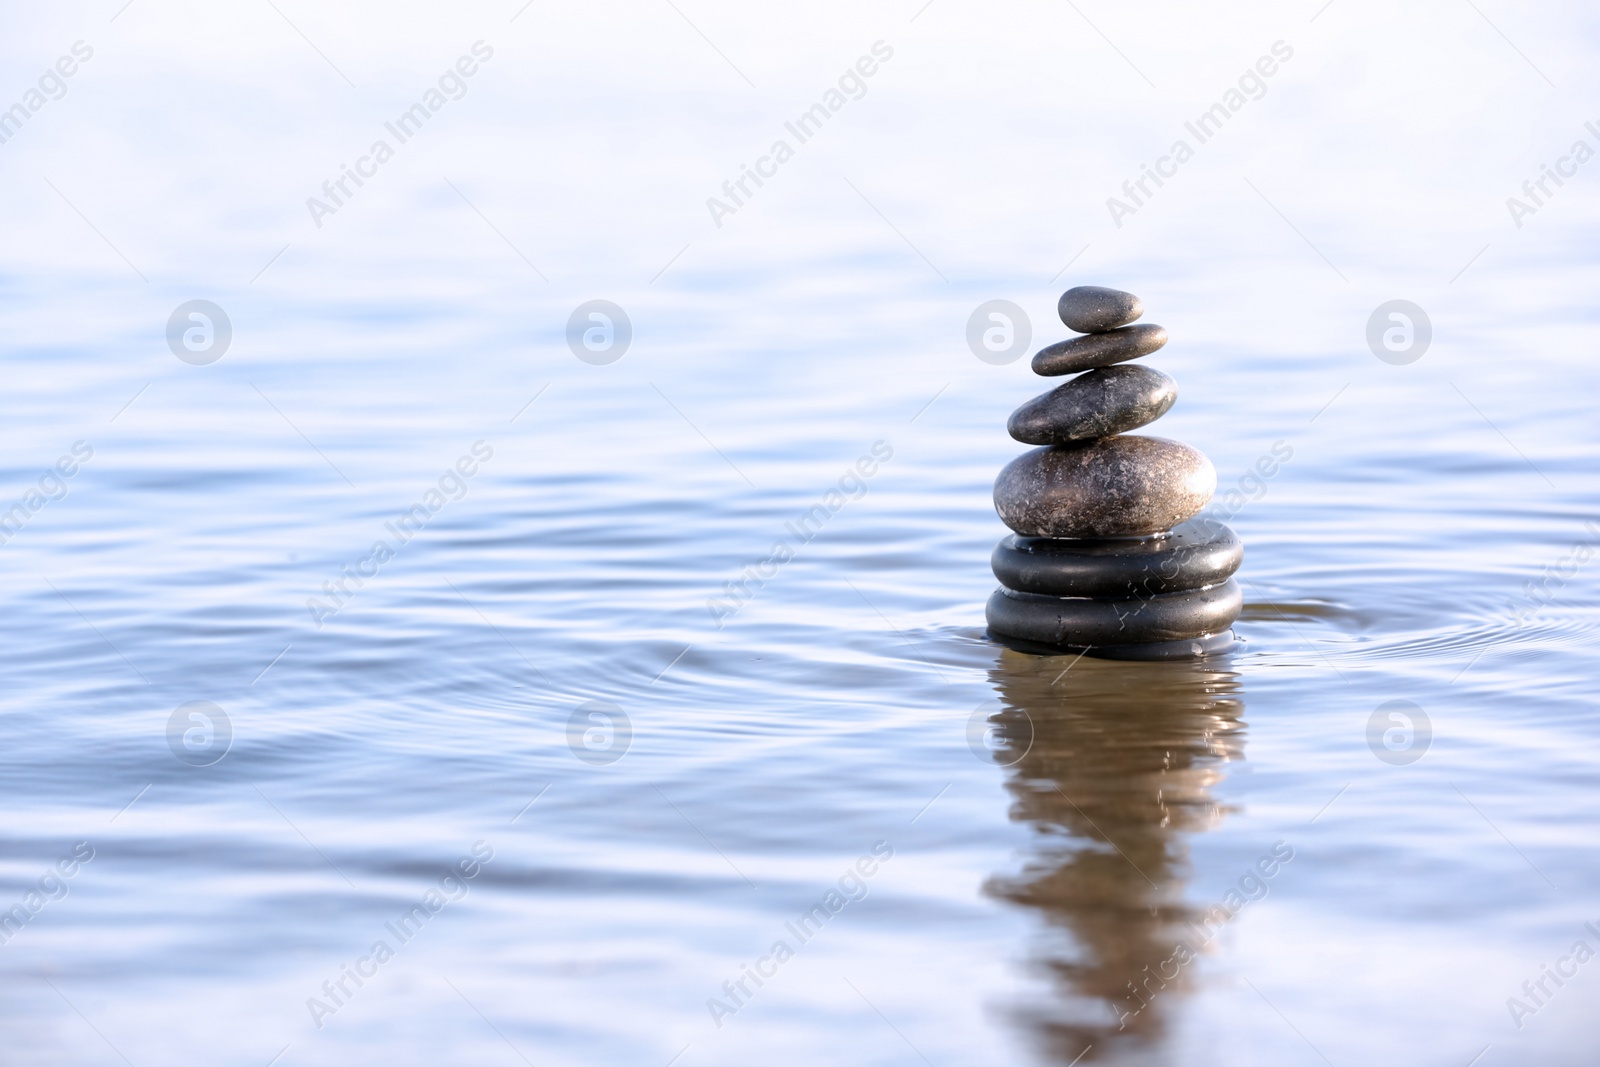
1050, 826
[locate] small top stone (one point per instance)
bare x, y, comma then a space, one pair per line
1093, 309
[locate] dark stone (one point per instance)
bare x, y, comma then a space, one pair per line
1097, 404
1192, 648
1112, 487
1209, 645
1198, 553
1078, 622
1092, 309
1099, 349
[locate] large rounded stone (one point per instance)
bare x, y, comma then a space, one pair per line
1098, 404
1079, 622
1195, 554
1093, 309
1099, 349
1114, 487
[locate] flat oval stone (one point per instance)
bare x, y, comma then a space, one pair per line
1097, 404
1099, 349
1093, 309
1079, 622
1195, 554
1112, 487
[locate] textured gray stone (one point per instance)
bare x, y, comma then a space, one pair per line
1112, 487
1097, 404
1094, 309
1099, 349
1193, 555
1077, 622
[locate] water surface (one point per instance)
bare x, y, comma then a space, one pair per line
1007, 847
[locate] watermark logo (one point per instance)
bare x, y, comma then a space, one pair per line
599, 332
998, 332
1536, 992
1252, 484
1565, 167
51, 86
51, 886
1399, 732
1253, 885
753, 577
852, 85
199, 332
851, 888
451, 85
1399, 332
451, 486
993, 745
199, 733
51, 486
599, 733
1538, 595
450, 887
1251, 85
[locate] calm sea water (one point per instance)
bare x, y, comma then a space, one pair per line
289, 781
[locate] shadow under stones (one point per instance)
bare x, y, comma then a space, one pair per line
1111, 764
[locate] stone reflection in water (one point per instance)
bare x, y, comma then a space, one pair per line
1111, 764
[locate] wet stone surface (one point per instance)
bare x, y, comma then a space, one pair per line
1095, 309
1081, 621
1111, 487
1106, 401
1190, 648
1099, 349
1195, 554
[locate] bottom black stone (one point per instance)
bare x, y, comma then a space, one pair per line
1192, 555
1194, 648
1078, 622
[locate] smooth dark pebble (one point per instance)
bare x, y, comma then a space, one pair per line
1111, 487
1195, 554
1094, 309
1193, 648
1099, 349
1077, 622
1102, 402
1150, 651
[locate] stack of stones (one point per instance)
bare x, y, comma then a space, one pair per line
1108, 556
